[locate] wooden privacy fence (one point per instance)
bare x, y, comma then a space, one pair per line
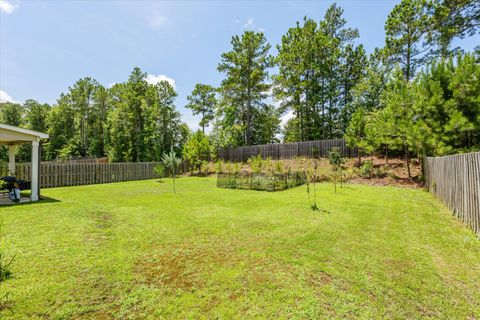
58, 174
318, 148
455, 180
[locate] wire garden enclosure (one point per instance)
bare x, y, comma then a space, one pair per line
260, 181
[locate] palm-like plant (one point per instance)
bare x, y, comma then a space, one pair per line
171, 161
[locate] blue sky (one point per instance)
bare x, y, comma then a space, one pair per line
45, 46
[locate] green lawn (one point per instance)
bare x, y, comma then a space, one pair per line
135, 250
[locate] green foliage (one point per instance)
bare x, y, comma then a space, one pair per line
142, 231
335, 158
436, 114
407, 27
197, 150
453, 19
11, 113
236, 168
132, 121
171, 162
336, 161
256, 163
311, 178
202, 102
279, 167
219, 166
159, 171
244, 117
366, 169
318, 68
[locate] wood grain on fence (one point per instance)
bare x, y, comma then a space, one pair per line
58, 174
455, 180
318, 148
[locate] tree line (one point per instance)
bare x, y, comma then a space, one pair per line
131, 121
333, 89
416, 95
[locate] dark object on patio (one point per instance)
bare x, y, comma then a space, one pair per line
11, 181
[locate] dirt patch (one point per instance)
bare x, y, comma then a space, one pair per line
319, 279
182, 265
189, 266
102, 219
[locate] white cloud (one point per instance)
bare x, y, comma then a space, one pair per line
153, 79
5, 97
287, 116
249, 24
7, 7
111, 84
157, 21
252, 25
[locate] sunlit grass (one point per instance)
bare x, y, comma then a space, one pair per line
136, 250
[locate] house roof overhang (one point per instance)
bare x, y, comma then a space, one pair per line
11, 135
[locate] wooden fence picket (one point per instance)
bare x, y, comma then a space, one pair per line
318, 148
455, 180
58, 174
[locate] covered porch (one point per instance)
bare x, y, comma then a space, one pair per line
12, 137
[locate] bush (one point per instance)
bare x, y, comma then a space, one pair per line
219, 166
256, 163
366, 169
197, 150
336, 161
159, 171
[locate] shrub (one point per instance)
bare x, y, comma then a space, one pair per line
236, 168
219, 166
279, 167
336, 161
256, 163
197, 150
159, 171
366, 169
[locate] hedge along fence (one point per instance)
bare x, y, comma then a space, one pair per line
260, 181
58, 174
455, 180
318, 148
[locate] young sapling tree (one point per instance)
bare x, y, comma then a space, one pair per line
171, 161
336, 161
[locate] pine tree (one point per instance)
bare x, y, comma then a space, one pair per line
245, 88
202, 101
407, 28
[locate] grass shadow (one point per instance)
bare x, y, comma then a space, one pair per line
43, 199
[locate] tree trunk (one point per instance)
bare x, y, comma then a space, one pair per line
386, 154
407, 160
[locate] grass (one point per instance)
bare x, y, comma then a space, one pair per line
135, 250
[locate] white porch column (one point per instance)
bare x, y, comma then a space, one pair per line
35, 171
11, 160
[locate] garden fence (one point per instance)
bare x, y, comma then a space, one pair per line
260, 181
58, 174
318, 148
455, 180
